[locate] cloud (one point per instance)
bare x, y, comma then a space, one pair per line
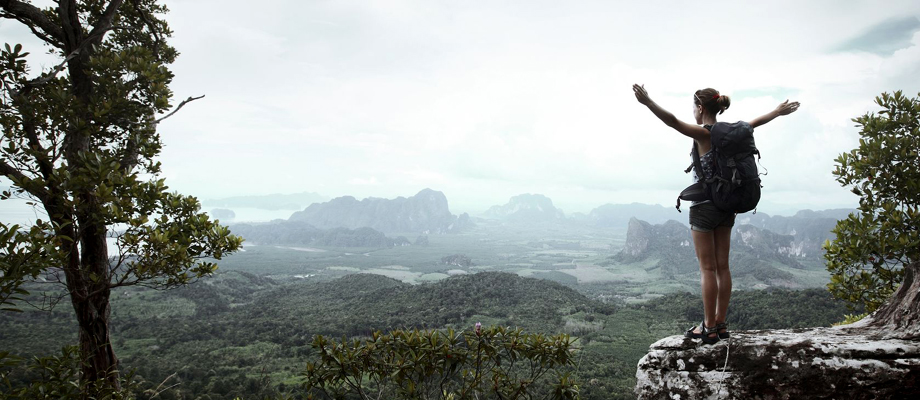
486, 100
885, 37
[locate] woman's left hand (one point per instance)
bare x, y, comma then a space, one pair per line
786, 108
641, 94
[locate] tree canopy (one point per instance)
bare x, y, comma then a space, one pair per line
80, 142
872, 246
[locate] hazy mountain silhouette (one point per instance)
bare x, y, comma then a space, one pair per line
426, 212
526, 208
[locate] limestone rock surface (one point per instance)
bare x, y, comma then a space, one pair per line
819, 363
875, 358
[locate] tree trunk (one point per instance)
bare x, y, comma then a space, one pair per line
95, 343
88, 279
900, 316
94, 310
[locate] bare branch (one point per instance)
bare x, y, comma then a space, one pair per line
51, 74
34, 18
130, 158
182, 104
48, 301
160, 388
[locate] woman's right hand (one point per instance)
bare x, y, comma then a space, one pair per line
786, 108
642, 95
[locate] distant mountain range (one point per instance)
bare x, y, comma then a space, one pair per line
426, 212
809, 229
293, 201
754, 251
526, 208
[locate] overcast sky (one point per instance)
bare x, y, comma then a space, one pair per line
484, 100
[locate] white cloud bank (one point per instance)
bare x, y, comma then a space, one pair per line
486, 100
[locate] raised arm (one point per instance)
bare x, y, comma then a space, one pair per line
694, 131
785, 108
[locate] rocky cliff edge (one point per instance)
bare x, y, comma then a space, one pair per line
876, 358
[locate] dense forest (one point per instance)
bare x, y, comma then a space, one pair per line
238, 334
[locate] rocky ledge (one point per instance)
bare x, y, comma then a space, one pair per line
877, 358
781, 364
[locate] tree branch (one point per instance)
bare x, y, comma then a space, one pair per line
183, 103
51, 74
45, 167
71, 31
33, 17
130, 158
153, 31
18, 177
105, 22
41, 35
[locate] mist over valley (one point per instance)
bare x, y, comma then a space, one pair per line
618, 278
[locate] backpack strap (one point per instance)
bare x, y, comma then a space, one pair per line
695, 153
697, 165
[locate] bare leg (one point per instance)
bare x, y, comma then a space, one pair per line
722, 240
704, 243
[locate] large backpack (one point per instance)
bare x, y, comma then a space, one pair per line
735, 183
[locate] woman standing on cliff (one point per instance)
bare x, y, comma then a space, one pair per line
710, 227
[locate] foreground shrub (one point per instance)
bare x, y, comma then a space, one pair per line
496, 362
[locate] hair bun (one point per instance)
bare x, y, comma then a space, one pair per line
712, 101
724, 102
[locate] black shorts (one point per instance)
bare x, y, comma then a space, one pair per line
705, 217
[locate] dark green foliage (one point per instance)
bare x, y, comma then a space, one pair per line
23, 257
866, 257
556, 276
495, 362
80, 143
237, 334
57, 378
744, 264
361, 304
767, 309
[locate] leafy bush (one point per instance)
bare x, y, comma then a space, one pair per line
58, 378
484, 363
